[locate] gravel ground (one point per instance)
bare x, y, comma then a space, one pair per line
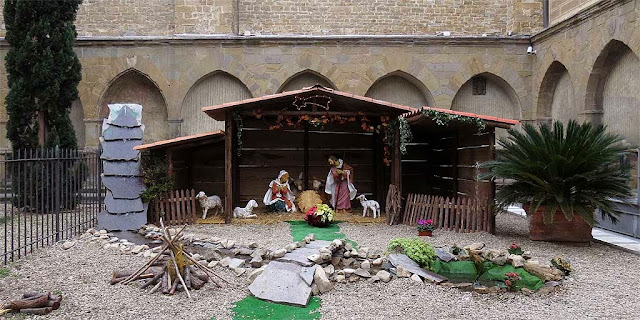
604, 286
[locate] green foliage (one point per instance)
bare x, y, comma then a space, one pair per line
43, 71
416, 249
562, 264
443, 118
576, 170
4, 272
155, 167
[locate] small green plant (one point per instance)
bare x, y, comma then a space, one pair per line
4, 272
455, 249
419, 251
155, 167
512, 280
562, 264
514, 248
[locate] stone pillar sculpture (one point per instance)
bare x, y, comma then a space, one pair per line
122, 174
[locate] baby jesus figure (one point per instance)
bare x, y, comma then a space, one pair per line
279, 198
340, 185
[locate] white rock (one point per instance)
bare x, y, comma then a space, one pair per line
239, 271
212, 264
377, 262
320, 279
314, 289
137, 249
365, 264
347, 254
348, 271
402, 272
91, 230
337, 242
329, 270
290, 247
354, 253
475, 246
384, 275
315, 258
157, 249
225, 262
256, 261
416, 278
340, 278
103, 231
68, 244
373, 279
253, 245
255, 273
114, 239
196, 256
312, 236
516, 260
279, 253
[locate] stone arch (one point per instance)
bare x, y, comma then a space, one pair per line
401, 88
76, 114
305, 78
212, 89
495, 98
613, 90
556, 98
133, 86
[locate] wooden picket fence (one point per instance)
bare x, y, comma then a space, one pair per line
461, 214
175, 207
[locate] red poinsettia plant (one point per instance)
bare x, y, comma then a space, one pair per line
514, 248
319, 215
512, 280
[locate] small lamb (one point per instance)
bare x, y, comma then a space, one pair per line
245, 212
209, 203
369, 204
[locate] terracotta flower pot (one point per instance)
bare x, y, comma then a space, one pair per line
425, 233
562, 230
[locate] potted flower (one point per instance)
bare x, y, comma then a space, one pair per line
511, 280
514, 248
561, 176
319, 215
425, 228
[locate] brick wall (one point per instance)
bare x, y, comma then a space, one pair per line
317, 17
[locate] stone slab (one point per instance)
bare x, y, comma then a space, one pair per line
120, 206
299, 256
317, 244
236, 263
124, 187
121, 168
281, 282
122, 133
306, 273
124, 115
120, 150
398, 259
122, 222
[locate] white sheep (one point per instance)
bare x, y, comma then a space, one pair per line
209, 203
245, 212
369, 204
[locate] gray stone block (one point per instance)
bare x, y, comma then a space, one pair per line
120, 206
122, 222
126, 118
121, 168
120, 150
398, 259
124, 187
122, 133
281, 282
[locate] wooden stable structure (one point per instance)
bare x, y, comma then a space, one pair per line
297, 131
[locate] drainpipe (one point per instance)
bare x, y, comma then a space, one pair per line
545, 14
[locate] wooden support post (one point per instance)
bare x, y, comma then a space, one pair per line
306, 156
229, 148
396, 163
456, 144
170, 162
378, 165
492, 188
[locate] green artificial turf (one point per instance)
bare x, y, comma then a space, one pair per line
300, 229
254, 308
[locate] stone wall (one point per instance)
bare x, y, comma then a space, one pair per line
560, 10
168, 17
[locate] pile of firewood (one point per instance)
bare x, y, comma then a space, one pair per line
33, 303
172, 269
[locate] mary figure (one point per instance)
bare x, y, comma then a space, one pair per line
279, 198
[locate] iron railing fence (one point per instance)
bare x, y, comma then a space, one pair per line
46, 195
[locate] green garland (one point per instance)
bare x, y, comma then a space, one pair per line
237, 117
401, 125
154, 174
443, 118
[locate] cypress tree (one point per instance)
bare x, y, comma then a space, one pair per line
43, 72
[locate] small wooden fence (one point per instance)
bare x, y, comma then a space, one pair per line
460, 214
175, 207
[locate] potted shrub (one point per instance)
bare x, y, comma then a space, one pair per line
561, 176
319, 215
425, 228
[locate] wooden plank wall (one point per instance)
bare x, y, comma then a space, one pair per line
446, 165
206, 169
461, 214
175, 207
265, 152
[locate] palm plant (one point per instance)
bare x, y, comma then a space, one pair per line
576, 171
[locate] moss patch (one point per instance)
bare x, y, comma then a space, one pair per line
300, 229
254, 308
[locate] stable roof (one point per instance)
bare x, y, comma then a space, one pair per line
206, 137
415, 116
344, 99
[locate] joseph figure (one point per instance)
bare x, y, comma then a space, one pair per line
340, 185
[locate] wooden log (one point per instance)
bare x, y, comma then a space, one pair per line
187, 277
122, 274
174, 286
33, 294
37, 311
154, 279
157, 286
37, 302
199, 274
142, 276
53, 304
197, 283
165, 283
